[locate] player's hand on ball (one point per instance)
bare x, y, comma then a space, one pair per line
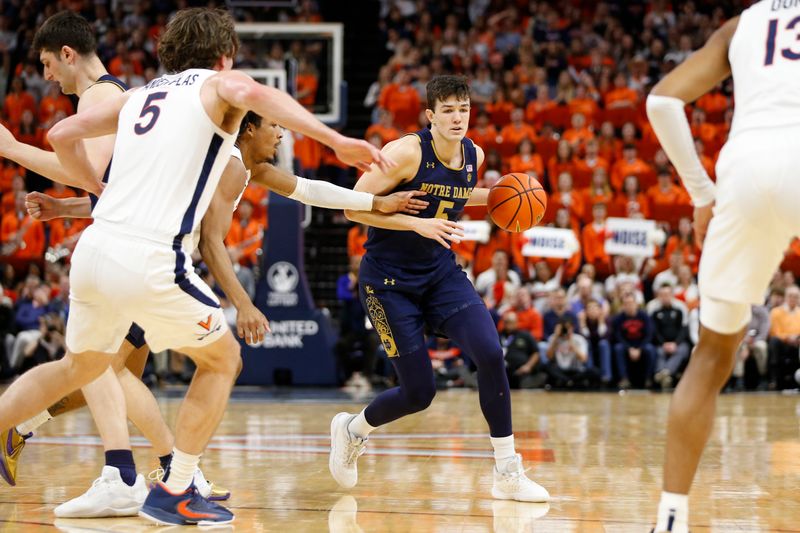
41, 206
441, 230
401, 202
251, 324
702, 216
361, 154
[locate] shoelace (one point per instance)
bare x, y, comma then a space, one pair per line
96, 484
354, 449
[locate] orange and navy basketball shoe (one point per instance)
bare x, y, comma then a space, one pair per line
12, 444
186, 508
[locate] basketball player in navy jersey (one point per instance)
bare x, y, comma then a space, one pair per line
409, 279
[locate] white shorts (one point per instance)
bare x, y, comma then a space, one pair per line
757, 214
117, 279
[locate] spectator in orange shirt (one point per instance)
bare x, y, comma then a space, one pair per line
402, 100
384, 128
528, 317
714, 104
356, 238
631, 202
707, 162
59, 190
307, 83
517, 130
498, 240
309, 155
584, 103
631, 165
258, 197
568, 198
666, 193
683, 241
562, 162
621, 95
7, 174
484, 134
702, 129
567, 268
598, 192
245, 236
22, 236
594, 241
536, 110
9, 200
17, 101
527, 160
28, 131
579, 134
608, 143
586, 167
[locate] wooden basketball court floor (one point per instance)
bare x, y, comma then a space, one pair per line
599, 455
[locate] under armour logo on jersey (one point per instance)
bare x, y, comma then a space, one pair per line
430, 164
387, 281
369, 289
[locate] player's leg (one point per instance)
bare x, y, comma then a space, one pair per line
187, 317
473, 329
691, 412
397, 318
119, 491
38, 388
738, 260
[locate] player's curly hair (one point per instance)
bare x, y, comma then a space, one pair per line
441, 88
197, 38
249, 118
65, 28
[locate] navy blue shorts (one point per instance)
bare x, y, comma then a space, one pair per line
135, 336
401, 301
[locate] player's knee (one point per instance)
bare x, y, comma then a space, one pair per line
83, 368
420, 396
487, 353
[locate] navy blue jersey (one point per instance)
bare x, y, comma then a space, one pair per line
448, 191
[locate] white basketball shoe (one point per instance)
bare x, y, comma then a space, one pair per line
108, 496
512, 484
345, 450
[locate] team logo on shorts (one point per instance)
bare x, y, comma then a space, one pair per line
378, 317
208, 327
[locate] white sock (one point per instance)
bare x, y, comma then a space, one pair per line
676, 507
503, 450
360, 427
29, 425
181, 470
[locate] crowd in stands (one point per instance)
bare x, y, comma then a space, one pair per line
558, 92
34, 255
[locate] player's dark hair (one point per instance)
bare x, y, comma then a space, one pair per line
441, 88
249, 118
197, 38
65, 28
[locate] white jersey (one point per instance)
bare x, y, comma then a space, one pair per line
764, 55
168, 159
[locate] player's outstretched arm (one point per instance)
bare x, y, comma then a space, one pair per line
44, 207
665, 109
46, 163
323, 194
241, 91
406, 152
67, 138
251, 324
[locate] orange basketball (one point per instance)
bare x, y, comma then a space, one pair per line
517, 202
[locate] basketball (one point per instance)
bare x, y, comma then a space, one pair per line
517, 202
